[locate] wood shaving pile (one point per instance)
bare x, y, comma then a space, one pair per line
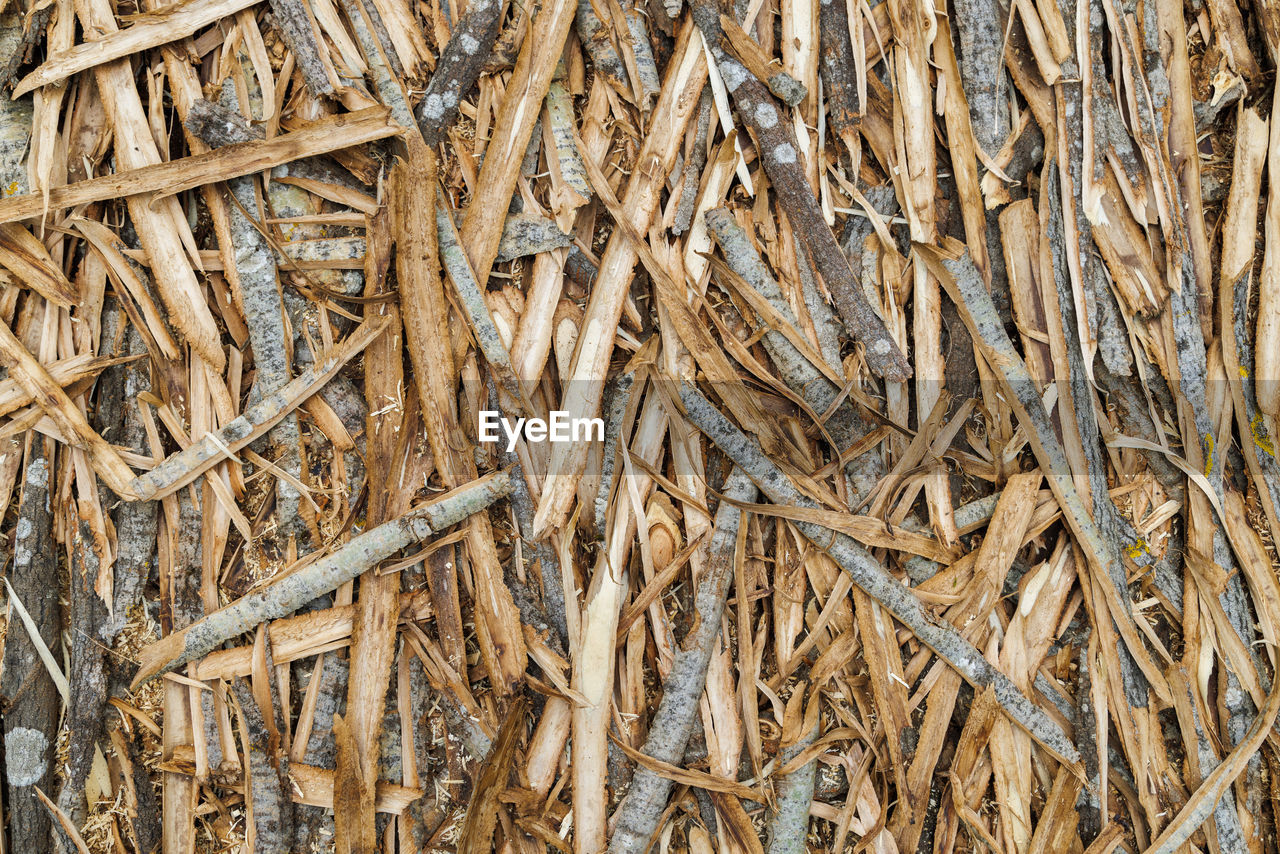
921, 364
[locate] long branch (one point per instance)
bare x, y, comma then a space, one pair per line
870, 575
291, 592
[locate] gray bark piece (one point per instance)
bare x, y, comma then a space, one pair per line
135, 521
597, 38
86, 673
1114, 529
649, 80
28, 697
617, 399
424, 815
1124, 393
313, 826
529, 234
293, 22
1109, 132
1193, 368
471, 298
217, 125
563, 124
920, 569
384, 77
1263, 443
980, 26
827, 326
185, 601
691, 174
1088, 802
265, 318
1225, 818
551, 582
18, 33
458, 69
268, 773
292, 592
838, 67
384, 38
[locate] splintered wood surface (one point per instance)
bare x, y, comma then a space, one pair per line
920, 364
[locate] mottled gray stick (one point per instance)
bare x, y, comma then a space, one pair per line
313, 826
580, 268
636, 818
422, 817
846, 424
15, 115
562, 124
617, 397
270, 804
1193, 392
529, 234
135, 521
27, 690
1112, 529
255, 268
1130, 406
965, 286
870, 575
788, 828
92, 633
216, 125
186, 465
454, 260
695, 159
296, 27
296, 589
1088, 802
458, 69
551, 582
384, 37
597, 38
385, 81
647, 76
980, 26
1220, 804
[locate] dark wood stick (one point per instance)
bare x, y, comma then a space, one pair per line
298, 29
27, 690
780, 155
458, 69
